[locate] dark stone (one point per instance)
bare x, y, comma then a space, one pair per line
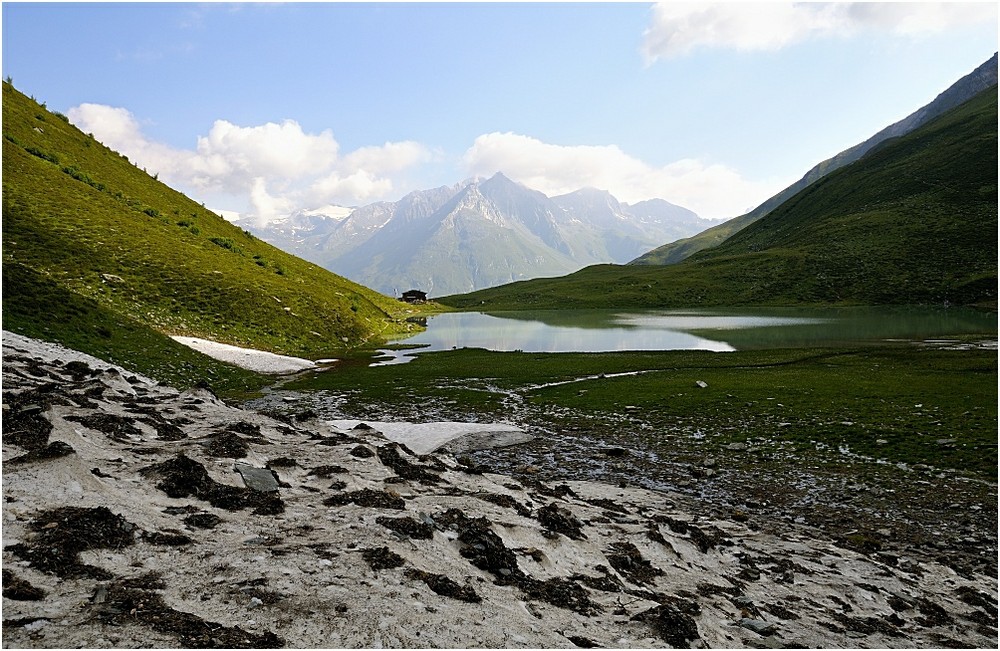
583, 642
676, 628
444, 586
127, 605
362, 452
561, 521
626, 558
202, 520
326, 471
229, 445
262, 480
185, 477
390, 457
407, 527
54, 450
116, 427
368, 498
18, 589
505, 501
382, 558
61, 534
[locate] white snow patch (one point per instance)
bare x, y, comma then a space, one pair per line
259, 361
332, 211
424, 438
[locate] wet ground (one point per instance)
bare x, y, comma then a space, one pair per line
903, 514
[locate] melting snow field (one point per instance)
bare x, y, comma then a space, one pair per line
424, 438
259, 361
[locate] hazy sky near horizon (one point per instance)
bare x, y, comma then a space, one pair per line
263, 109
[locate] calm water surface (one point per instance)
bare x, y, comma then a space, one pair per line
716, 330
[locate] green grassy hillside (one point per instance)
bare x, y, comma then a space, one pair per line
914, 221
962, 90
84, 220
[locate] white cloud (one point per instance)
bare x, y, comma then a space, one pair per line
119, 130
390, 157
269, 169
677, 29
712, 190
233, 155
267, 207
361, 184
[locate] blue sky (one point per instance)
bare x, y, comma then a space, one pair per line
263, 109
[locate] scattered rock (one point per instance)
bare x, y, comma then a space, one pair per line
18, 589
382, 558
202, 520
759, 627
53, 450
229, 445
442, 585
628, 561
369, 498
362, 452
62, 534
125, 605
676, 628
295, 575
562, 521
407, 527
118, 428
390, 457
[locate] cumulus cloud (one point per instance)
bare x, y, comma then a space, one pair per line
271, 168
119, 130
712, 190
677, 29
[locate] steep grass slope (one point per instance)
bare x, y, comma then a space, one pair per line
961, 91
915, 221
85, 220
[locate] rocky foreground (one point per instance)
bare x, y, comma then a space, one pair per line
138, 516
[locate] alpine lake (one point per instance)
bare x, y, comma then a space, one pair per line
595, 331
877, 424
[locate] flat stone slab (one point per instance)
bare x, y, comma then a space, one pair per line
258, 479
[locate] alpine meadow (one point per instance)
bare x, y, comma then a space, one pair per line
367, 325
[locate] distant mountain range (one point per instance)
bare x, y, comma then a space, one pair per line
478, 234
958, 93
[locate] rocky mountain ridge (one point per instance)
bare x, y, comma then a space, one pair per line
478, 233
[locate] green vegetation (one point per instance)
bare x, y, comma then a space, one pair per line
913, 222
37, 307
900, 403
83, 226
